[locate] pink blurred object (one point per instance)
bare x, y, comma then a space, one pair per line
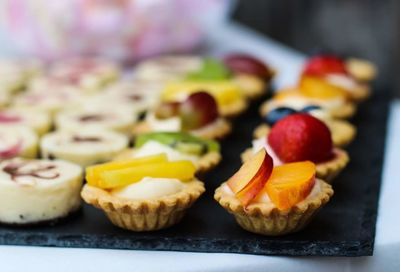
120, 29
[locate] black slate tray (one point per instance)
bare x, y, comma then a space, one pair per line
345, 227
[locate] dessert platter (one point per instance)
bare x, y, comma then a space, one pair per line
191, 153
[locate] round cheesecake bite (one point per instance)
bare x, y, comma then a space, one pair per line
38, 191
301, 137
197, 115
39, 121
204, 154
17, 141
143, 194
85, 147
118, 119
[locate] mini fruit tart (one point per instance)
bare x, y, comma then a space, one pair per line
17, 141
143, 194
120, 119
301, 137
331, 101
39, 121
38, 191
343, 132
87, 74
349, 77
197, 115
272, 200
204, 154
251, 74
84, 147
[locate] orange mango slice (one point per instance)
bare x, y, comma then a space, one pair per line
93, 172
290, 183
181, 170
315, 87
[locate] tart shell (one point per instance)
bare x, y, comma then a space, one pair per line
144, 215
251, 86
269, 220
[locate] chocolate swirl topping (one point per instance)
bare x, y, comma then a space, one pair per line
15, 170
79, 139
91, 118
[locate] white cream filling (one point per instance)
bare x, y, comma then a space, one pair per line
31, 199
37, 120
260, 143
299, 102
169, 124
150, 188
154, 147
13, 135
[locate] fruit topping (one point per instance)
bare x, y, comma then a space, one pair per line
310, 108
277, 114
93, 172
167, 110
246, 64
301, 137
323, 65
181, 170
180, 141
315, 87
198, 110
251, 177
290, 184
212, 69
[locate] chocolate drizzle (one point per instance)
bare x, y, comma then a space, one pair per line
15, 171
135, 97
91, 118
79, 139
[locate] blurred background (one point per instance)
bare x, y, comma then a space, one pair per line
53, 29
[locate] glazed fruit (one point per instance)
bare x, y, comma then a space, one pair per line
93, 172
277, 114
198, 110
167, 110
181, 170
315, 87
181, 141
301, 137
251, 177
324, 65
290, 183
212, 69
246, 64
310, 108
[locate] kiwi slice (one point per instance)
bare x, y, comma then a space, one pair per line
212, 69
180, 141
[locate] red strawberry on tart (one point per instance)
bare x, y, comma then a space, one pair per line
301, 137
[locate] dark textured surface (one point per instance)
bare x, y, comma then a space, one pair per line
345, 227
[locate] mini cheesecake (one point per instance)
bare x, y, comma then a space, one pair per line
18, 141
37, 120
85, 147
89, 74
38, 191
49, 102
119, 119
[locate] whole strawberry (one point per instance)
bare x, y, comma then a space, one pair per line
324, 65
301, 137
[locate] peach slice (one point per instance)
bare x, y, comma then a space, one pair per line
286, 93
315, 87
181, 170
251, 177
290, 183
93, 172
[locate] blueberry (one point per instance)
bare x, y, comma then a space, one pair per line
310, 108
277, 114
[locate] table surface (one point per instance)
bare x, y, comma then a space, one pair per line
288, 63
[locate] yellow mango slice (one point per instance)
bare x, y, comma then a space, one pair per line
182, 170
93, 172
314, 87
225, 92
